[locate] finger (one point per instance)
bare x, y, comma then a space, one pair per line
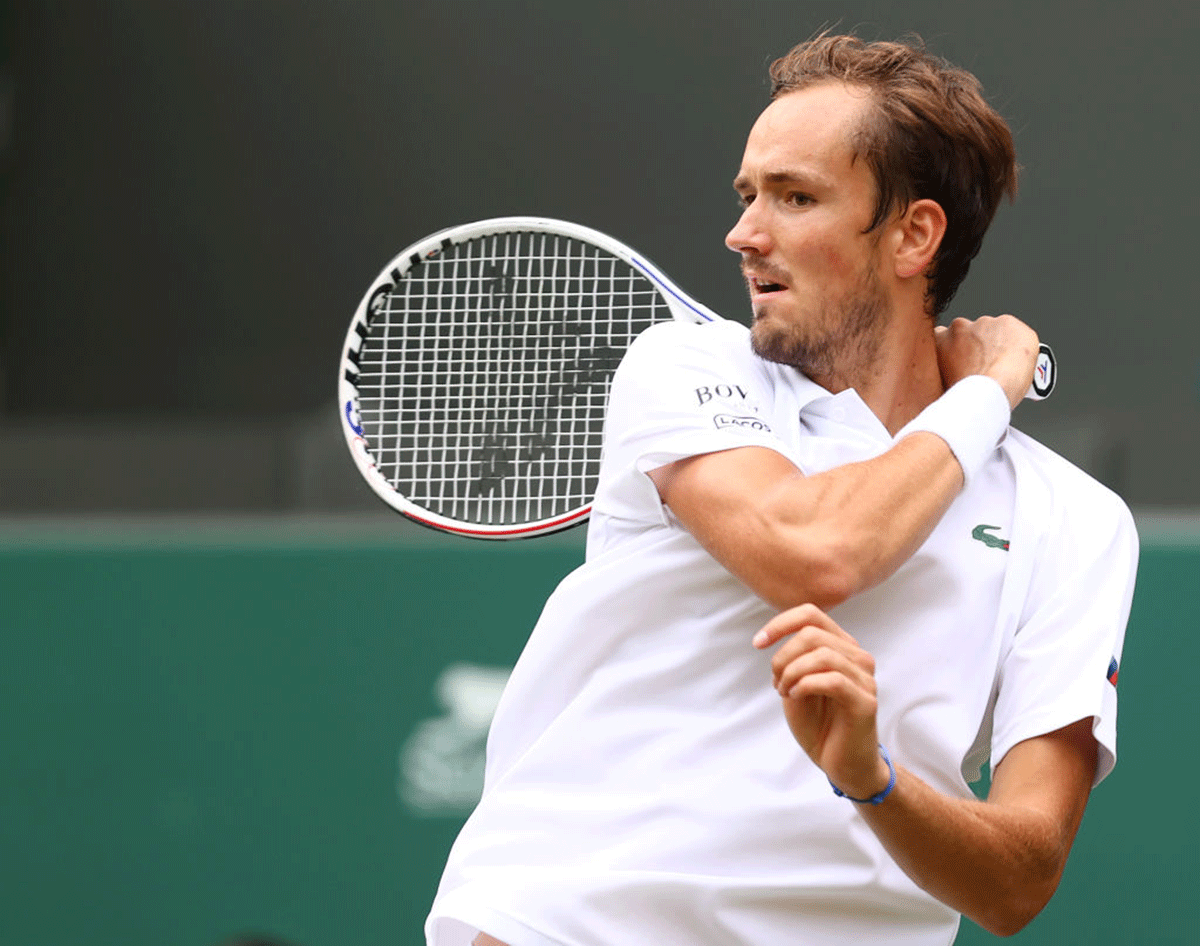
838, 689
810, 639
820, 661
791, 621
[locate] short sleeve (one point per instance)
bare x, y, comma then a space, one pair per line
1062, 663
682, 390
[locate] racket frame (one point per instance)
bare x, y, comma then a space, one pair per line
681, 306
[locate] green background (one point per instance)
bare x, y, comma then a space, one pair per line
201, 727
194, 197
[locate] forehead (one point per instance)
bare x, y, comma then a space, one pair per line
809, 129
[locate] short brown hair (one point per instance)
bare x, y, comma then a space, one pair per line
932, 135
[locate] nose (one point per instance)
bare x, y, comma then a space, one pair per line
748, 234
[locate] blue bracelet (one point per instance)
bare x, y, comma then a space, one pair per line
874, 799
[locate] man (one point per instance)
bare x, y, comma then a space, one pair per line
824, 582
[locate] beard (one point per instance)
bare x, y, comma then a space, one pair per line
835, 345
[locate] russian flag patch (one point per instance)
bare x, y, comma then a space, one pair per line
1112, 671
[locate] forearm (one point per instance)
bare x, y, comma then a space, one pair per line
824, 537
821, 538
998, 861
887, 511
996, 864
864, 519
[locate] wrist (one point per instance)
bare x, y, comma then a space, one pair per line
880, 795
972, 417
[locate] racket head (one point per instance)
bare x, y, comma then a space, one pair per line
475, 372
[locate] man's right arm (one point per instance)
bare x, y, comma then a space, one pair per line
819, 539
796, 539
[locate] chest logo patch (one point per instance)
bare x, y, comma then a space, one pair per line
982, 533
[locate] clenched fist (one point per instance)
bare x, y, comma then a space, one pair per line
1001, 347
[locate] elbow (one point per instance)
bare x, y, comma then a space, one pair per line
836, 565
1010, 924
1019, 892
1005, 926
825, 578
831, 582
1008, 915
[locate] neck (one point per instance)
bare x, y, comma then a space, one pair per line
901, 378
908, 385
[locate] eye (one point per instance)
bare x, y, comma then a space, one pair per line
745, 200
798, 199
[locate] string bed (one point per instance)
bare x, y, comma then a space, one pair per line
485, 374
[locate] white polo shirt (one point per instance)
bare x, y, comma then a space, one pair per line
642, 785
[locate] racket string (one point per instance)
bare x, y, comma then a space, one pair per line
484, 379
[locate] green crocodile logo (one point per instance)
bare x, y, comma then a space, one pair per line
981, 533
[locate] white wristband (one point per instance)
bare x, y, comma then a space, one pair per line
972, 417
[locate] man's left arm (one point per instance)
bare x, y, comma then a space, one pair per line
996, 861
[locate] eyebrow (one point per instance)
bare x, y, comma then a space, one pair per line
780, 176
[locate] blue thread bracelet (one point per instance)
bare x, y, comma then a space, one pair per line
874, 799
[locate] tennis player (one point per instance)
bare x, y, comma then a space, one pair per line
825, 581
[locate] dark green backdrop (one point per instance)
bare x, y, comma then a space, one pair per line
201, 734
195, 195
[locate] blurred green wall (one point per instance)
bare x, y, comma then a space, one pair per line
218, 733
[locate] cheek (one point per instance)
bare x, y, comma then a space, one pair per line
845, 263
823, 255
835, 262
841, 255
827, 266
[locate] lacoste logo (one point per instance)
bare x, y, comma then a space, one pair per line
749, 423
981, 533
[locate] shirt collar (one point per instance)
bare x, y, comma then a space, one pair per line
846, 408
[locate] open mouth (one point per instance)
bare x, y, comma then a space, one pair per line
762, 287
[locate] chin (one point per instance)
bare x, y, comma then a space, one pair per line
768, 341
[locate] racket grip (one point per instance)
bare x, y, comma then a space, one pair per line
1045, 375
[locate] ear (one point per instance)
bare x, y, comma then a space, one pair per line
919, 235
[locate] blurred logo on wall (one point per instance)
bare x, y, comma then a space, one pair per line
441, 762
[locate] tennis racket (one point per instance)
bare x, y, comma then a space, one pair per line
476, 371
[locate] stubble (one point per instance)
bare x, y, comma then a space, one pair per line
838, 346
